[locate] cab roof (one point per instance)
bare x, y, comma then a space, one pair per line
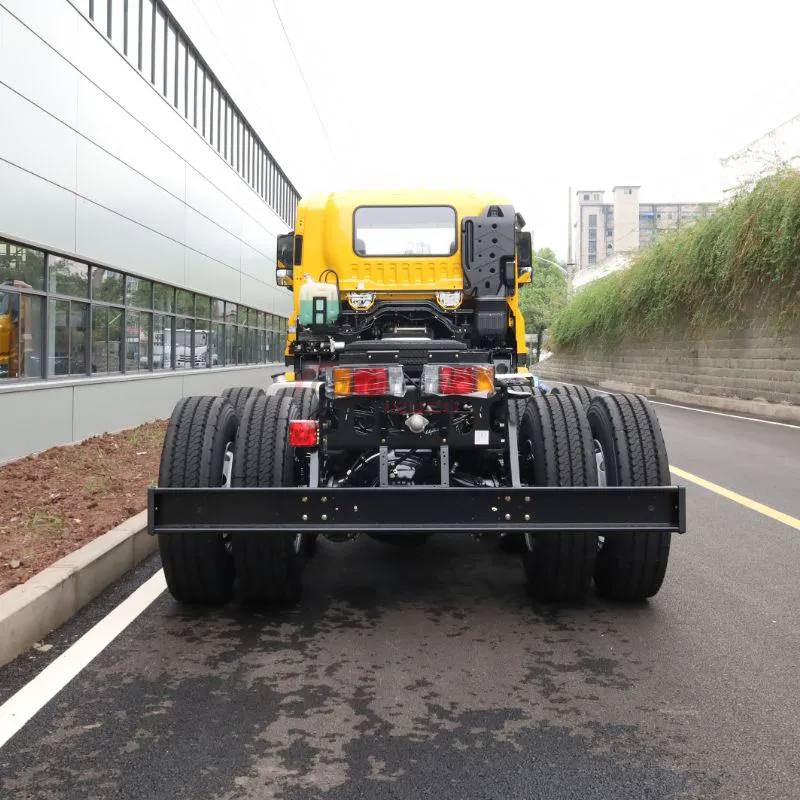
461, 199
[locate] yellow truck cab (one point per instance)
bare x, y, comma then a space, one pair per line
399, 271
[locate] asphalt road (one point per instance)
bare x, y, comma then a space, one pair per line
416, 673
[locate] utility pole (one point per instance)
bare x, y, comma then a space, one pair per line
570, 262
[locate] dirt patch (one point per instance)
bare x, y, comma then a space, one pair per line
57, 501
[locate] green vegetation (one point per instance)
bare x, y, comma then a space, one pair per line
743, 259
545, 296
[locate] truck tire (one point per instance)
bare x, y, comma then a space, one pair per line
198, 566
269, 566
583, 394
555, 447
239, 395
630, 564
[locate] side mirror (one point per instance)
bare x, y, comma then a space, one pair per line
524, 250
284, 260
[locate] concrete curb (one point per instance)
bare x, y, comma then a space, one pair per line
30, 611
733, 405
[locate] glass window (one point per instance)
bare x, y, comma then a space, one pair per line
106, 339
159, 51
217, 310
68, 322
132, 41
206, 106
592, 220
116, 24
163, 298
242, 316
171, 62
137, 340
138, 292
180, 89
146, 64
201, 339
20, 335
185, 302
191, 89
162, 341
218, 345
21, 266
67, 277
230, 312
231, 336
107, 285
184, 329
404, 230
220, 118
100, 15
202, 306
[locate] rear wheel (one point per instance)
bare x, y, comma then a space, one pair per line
198, 566
555, 449
583, 394
631, 452
239, 395
269, 566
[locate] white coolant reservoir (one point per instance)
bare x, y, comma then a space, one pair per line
319, 302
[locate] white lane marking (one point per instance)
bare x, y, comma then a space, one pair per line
32, 697
707, 411
723, 414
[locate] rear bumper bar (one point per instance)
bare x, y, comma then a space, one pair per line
433, 509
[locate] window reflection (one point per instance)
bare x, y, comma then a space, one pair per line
107, 285
65, 276
20, 336
21, 266
67, 323
106, 339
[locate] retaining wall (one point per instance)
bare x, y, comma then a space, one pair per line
756, 363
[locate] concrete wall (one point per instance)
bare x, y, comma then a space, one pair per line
95, 163
757, 363
43, 415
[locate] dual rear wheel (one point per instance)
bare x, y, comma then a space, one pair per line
616, 441
204, 437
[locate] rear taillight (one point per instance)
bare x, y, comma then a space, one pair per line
471, 379
347, 381
303, 432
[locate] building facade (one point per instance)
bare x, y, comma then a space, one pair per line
138, 215
606, 230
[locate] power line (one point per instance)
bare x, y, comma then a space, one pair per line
305, 83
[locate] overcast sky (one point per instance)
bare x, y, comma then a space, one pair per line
521, 98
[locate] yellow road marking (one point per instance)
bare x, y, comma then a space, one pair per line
786, 519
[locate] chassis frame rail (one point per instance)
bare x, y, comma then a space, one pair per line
435, 509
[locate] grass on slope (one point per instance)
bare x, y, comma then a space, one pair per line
722, 268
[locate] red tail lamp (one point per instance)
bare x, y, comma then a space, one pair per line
303, 432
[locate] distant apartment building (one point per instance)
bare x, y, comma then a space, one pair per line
609, 229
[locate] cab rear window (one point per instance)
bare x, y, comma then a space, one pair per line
398, 231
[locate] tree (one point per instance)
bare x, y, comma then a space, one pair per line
544, 296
